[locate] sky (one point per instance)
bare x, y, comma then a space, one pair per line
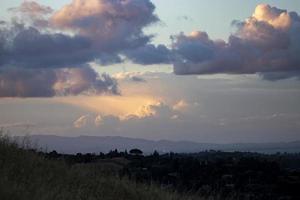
206, 71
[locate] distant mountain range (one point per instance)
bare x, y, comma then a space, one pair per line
96, 144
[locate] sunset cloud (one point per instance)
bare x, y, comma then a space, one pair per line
114, 105
147, 112
80, 32
112, 26
81, 121
155, 109
55, 46
268, 41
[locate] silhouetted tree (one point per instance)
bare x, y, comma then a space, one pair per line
136, 152
155, 154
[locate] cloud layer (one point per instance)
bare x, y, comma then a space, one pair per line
268, 41
47, 44
80, 32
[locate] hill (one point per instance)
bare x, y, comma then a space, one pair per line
28, 175
96, 144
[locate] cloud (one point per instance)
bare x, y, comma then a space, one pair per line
180, 105
107, 32
155, 110
84, 80
27, 83
90, 120
81, 121
130, 76
117, 105
27, 47
150, 54
113, 26
226, 99
147, 112
16, 82
32, 8
33, 12
268, 41
47, 44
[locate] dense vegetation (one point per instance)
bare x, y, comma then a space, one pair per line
29, 174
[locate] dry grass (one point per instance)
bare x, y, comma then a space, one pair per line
25, 175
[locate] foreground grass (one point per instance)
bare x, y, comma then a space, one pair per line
24, 175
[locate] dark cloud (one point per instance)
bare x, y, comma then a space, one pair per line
269, 41
150, 54
27, 47
84, 80
27, 83
80, 32
197, 47
16, 82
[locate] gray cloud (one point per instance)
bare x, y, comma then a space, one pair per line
27, 47
16, 82
113, 26
150, 54
80, 32
27, 83
268, 41
84, 80
42, 51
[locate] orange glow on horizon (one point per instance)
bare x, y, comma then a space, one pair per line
110, 105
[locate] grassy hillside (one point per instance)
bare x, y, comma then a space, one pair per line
28, 175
